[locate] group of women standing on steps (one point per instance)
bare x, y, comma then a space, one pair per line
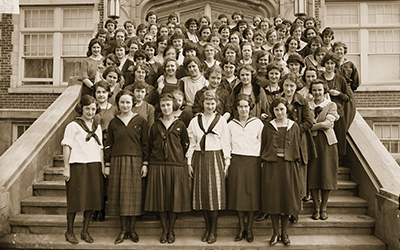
251, 132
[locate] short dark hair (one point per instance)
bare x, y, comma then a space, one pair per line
319, 81
86, 100
101, 84
151, 13
189, 59
112, 69
214, 69
121, 93
331, 56
275, 103
91, 43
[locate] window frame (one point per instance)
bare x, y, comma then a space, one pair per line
58, 85
375, 124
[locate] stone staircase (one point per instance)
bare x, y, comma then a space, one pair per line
42, 223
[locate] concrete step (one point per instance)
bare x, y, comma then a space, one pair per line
53, 173
193, 224
58, 205
344, 173
58, 161
298, 242
57, 188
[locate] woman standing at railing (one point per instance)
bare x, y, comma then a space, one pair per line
84, 165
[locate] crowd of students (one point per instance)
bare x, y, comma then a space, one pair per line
208, 116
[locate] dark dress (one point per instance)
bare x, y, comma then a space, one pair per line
168, 179
280, 180
322, 171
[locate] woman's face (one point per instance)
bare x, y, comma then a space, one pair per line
139, 94
141, 33
289, 87
171, 53
282, 32
310, 33
215, 40
120, 52
309, 24
339, 50
245, 76
315, 46
125, 104
235, 39
150, 51
272, 38
205, 34
319, 57
96, 49
317, 92
214, 80
209, 106
297, 32
193, 27
112, 79
243, 108
278, 52
247, 52
133, 48
278, 20
164, 31
280, 111
294, 67
250, 35
204, 22
88, 112
101, 95
310, 76
293, 44
120, 36
140, 74
230, 53
193, 69
263, 61
177, 43
191, 52
170, 68
237, 18
209, 52
166, 107
258, 41
171, 28
274, 75
153, 29
330, 66
225, 34
242, 28
229, 69
152, 19
130, 28
179, 99
264, 26
162, 45
110, 62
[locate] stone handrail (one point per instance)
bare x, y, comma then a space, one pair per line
378, 176
23, 163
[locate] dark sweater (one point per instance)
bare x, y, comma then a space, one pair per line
130, 140
168, 146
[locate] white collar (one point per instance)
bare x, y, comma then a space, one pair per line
290, 124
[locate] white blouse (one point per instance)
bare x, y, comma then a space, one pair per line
246, 140
82, 151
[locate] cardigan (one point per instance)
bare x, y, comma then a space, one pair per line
269, 142
168, 146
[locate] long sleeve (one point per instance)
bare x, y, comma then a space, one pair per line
192, 140
225, 139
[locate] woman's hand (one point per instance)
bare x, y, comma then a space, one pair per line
190, 170
334, 92
227, 164
67, 174
144, 171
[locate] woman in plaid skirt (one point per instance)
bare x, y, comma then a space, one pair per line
128, 143
209, 153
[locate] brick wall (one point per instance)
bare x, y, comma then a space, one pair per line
15, 101
377, 99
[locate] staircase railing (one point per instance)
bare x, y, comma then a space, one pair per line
378, 176
23, 163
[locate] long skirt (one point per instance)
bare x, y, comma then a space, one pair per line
303, 178
340, 131
322, 171
208, 181
168, 189
85, 187
125, 191
280, 187
243, 184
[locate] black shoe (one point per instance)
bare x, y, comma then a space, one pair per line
120, 238
286, 240
205, 236
163, 238
315, 215
171, 237
323, 215
70, 237
86, 237
294, 218
212, 238
262, 216
94, 215
274, 239
134, 237
240, 236
249, 236
306, 198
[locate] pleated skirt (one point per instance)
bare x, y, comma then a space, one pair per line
125, 191
280, 187
244, 183
168, 189
208, 181
85, 187
323, 171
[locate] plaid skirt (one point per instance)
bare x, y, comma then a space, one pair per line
125, 192
85, 187
168, 189
208, 181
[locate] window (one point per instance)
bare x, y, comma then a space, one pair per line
53, 48
389, 134
18, 129
371, 31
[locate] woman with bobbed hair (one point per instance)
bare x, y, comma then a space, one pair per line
322, 171
280, 180
340, 94
243, 183
90, 65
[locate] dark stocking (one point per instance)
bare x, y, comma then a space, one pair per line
70, 222
87, 215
